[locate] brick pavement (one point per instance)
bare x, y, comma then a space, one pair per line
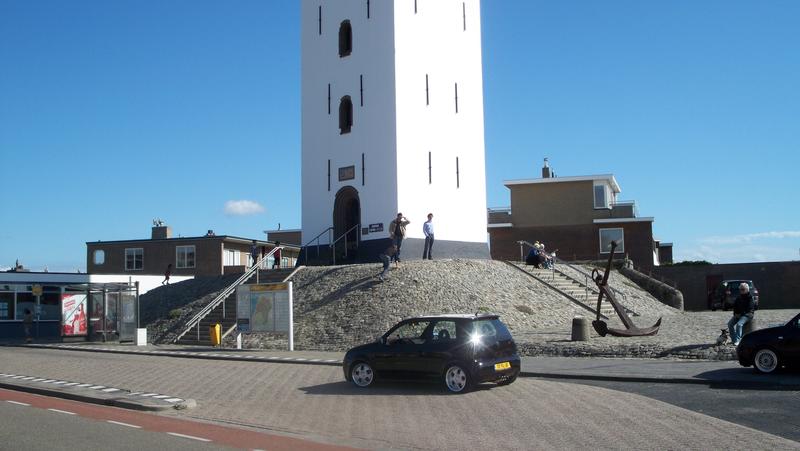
314, 402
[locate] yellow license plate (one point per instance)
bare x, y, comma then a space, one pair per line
502, 366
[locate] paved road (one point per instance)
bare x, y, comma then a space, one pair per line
314, 402
769, 410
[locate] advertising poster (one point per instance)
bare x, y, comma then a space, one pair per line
73, 314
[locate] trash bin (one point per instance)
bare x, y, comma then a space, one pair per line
215, 332
580, 328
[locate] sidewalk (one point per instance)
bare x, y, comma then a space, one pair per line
713, 373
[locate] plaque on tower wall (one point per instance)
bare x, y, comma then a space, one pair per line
347, 173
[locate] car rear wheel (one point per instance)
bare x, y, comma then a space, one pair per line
361, 374
766, 360
456, 379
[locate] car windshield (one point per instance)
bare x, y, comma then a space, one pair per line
489, 330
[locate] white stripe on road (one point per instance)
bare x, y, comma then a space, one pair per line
18, 403
62, 411
109, 390
173, 399
189, 437
124, 424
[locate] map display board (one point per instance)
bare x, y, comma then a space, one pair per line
265, 308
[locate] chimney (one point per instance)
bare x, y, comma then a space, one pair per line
161, 232
546, 173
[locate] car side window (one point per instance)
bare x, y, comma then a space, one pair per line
412, 331
444, 331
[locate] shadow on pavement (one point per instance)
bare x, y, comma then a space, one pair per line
750, 379
385, 388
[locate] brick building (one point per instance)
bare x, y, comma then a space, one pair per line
208, 255
578, 216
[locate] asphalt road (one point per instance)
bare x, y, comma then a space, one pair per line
315, 403
769, 410
26, 428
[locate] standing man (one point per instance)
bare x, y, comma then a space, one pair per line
397, 231
167, 273
743, 310
254, 252
276, 256
427, 229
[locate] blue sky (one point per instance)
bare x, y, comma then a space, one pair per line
115, 113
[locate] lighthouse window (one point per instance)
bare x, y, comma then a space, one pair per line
345, 39
456, 99
345, 115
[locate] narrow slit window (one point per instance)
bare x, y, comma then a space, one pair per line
430, 169
319, 20
345, 115
363, 170
345, 39
329, 98
464, 14
367, 9
427, 91
458, 175
456, 98
415, 6
329, 175
361, 88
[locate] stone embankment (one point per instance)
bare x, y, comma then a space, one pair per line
342, 306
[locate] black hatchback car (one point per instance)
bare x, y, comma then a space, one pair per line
458, 350
771, 348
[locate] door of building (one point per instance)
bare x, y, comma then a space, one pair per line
346, 218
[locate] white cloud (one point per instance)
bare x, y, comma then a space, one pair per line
242, 208
747, 238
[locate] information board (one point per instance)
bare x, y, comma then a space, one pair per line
265, 308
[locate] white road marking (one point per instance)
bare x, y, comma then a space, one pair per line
189, 437
161, 396
124, 424
173, 400
18, 403
97, 387
62, 411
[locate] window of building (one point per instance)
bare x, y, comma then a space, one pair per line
430, 169
415, 6
329, 98
456, 97
458, 175
345, 115
601, 196
464, 15
609, 235
319, 20
345, 39
50, 304
184, 256
6, 305
427, 91
232, 257
363, 170
361, 88
367, 9
25, 301
99, 257
134, 259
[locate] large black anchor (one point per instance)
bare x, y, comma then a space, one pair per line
599, 325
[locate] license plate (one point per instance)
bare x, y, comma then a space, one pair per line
502, 366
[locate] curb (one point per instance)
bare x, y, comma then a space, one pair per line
744, 384
194, 355
124, 400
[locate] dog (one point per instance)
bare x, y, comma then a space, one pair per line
723, 337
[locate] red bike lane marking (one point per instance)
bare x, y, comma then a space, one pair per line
222, 435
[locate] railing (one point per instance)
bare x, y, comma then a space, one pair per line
304, 248
344, 236
587, 277
195, 321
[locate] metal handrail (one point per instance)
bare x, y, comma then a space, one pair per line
587, 278
195, 321
316, 238
344, 235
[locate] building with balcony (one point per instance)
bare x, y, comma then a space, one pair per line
577, 216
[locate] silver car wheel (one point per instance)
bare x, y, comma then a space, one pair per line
455, 378
766, 361
362, 374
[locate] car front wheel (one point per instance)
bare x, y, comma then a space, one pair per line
361, 374
766, 361
456, 379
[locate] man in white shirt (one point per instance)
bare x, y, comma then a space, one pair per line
427, 229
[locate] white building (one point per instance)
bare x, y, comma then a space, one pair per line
392, 121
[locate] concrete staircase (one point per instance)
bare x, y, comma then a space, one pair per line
575, 290
225, 313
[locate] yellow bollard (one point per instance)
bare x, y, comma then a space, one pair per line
215, 331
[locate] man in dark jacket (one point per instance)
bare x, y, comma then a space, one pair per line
743, 310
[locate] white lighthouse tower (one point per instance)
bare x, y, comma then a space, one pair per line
392, 121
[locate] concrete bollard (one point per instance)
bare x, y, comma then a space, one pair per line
580, 328
750, 326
